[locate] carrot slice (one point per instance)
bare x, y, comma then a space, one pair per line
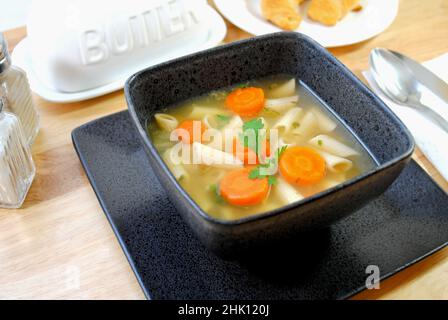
246, 102
302, 166
186, 131
237, 189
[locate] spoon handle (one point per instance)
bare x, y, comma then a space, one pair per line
433, 116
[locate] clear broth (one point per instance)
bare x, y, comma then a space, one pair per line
201, 178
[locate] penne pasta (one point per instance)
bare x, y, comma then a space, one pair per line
210, 121
206, 155
232, 129
235, 123
330, 183
217, 176
287, 192
213, 138
331, 145
166, 121
324, 122
177, 170
284, 90
286, 141
265, 123
281, 104
334, 163
199, 112
307, 126
285, 123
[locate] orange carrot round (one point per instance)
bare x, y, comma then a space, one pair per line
238, 189
186, 133
246, 102
302, 166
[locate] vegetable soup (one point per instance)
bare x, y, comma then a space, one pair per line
256, 146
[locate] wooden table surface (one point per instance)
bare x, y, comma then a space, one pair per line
60, 244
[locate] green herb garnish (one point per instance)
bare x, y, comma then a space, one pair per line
270, 113
272, 180
242, 85
254, 124
214, 188
223, 119
256, 174
280, 151
251, 135
320, 143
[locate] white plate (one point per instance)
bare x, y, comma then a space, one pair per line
373, 19
22, 59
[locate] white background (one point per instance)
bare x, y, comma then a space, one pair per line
13, 13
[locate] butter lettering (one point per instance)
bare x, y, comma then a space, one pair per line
92, 46
135, 31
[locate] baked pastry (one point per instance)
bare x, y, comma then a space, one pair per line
329, 12
283, 13
349, 5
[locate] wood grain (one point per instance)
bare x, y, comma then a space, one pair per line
61, 246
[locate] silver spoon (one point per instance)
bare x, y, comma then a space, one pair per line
405, 82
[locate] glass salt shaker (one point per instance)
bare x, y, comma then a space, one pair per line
18, 98
17, 168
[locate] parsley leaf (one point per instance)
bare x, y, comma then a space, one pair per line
272, 180
255, 174
270, 112
251, 135
280, 151
254, 124
242, 85
320, 142
214, 188
224, 119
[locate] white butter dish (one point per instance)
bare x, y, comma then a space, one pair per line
89, 48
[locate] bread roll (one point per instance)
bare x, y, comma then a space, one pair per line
283, 13
329, 12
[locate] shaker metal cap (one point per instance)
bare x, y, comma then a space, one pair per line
5, 58
2, 104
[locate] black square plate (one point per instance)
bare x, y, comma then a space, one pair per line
404, 225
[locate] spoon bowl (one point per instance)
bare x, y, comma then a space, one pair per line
393, 77
405, 82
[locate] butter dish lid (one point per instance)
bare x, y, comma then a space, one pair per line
88, 57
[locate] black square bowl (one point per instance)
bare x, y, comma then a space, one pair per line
388, 140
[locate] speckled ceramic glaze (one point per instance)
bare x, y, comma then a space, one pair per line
287, 53
403, 225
